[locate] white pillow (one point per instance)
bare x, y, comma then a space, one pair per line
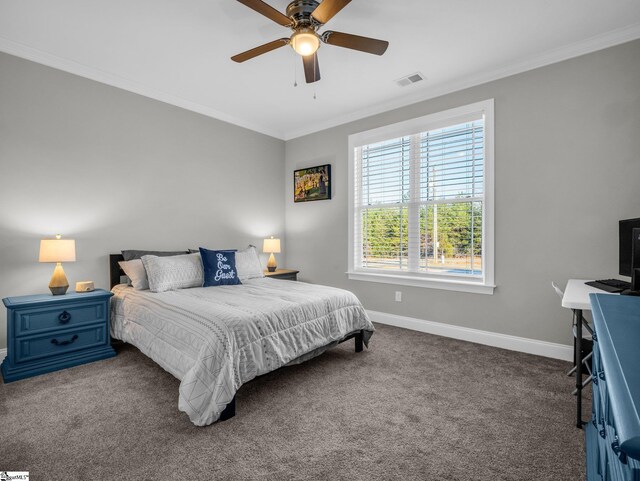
175, 272
248, 264
136, 273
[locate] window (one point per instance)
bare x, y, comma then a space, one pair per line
421, 201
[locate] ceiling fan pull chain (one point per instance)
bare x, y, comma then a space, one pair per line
295, 71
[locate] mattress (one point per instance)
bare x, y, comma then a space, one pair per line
215, 339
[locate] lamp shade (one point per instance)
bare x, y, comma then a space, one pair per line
271, 246
57, 250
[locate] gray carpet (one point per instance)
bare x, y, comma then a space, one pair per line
414, 406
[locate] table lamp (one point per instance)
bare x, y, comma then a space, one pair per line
271, 246
58, 250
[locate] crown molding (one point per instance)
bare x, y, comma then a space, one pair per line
91, 73
576, 49
592, 44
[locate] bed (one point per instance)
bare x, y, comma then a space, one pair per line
215, 339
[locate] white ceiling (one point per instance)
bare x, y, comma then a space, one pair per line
178, 51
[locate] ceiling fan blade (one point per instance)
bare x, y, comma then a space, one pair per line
254, 52
355, 42
327, 9
311, 68
268, 11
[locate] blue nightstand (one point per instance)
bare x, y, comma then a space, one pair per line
46, 333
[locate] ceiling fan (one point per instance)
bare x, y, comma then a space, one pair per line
305, 17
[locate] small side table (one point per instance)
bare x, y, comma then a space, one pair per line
286, 274
46, 333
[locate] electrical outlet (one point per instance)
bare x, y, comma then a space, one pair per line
398, 296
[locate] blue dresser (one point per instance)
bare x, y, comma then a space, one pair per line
613, 434
46, 333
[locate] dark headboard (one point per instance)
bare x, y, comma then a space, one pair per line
114, 269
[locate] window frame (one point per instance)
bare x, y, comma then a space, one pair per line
475, 284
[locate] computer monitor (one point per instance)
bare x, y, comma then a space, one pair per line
629, 252
626, 241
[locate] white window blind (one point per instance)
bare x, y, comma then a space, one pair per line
419, 202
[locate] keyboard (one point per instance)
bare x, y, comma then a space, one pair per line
610, 285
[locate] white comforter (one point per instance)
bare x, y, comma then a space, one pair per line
215, 339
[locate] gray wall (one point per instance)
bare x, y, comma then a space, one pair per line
567, 167
115, 170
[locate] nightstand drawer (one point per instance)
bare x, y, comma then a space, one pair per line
60, 342
35, 320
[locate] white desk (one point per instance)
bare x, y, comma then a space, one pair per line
576, 298
576, 294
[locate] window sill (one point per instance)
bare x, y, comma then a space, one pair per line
430, 283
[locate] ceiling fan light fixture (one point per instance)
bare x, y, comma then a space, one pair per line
305, 42
305, 17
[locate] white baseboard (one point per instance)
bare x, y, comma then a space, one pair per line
504, 341
3, 354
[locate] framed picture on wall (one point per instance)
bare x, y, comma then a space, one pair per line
313, 183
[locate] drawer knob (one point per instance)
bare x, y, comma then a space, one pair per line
615, 446
64, 343
64, 317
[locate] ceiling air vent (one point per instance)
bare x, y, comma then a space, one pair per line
410, 79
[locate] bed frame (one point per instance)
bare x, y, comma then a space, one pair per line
115, 273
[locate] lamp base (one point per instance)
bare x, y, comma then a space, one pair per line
271, 264
59, 291
59, 283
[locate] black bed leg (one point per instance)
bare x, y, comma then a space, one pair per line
229, 411
359, 341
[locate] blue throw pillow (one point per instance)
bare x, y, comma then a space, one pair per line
219, 268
